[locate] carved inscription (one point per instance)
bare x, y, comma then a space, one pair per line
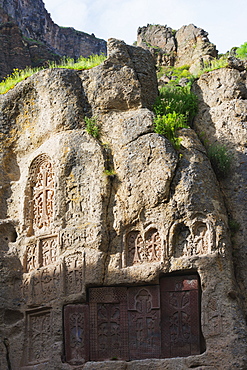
49, 251
181, 240
109, 323
180, 316
141, 250
76, 330
214, 319
71, 238
46, 284
41, 253
32, 257
156, 321
39, 337
74, 273
144, 322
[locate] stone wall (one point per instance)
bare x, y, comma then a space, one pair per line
96, 265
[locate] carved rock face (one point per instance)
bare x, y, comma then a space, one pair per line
89, 249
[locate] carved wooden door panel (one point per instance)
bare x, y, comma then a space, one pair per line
76, 333
180, 316
109, 323
144, 322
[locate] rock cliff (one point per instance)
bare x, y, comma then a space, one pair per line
117, 249
29, 37
222, 120
189, 45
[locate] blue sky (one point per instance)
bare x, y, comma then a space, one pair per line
224, 20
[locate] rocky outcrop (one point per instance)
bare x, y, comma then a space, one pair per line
109, 244
16, 51
160, 41
222, 119
189, 45
35, 23
29, 37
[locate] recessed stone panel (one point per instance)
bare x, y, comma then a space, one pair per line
76, 333
180, 316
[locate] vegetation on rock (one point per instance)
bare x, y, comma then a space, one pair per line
175, 108
92, 127
220, 160
241, 51
20, 74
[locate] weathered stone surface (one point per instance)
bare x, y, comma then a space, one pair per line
189, 45
160, 41
222, 119
126, 80
35, 22
29, 37
193, 46
81, 236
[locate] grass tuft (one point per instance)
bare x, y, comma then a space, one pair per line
21, 74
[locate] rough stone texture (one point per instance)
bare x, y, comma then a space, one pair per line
189, 45
35, 23
222, 118
29, 37
193, 45
18, 52
160, 41
67, 226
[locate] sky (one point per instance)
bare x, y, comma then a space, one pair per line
224, 20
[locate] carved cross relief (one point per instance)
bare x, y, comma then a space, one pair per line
132, 323
41, 194
143, 248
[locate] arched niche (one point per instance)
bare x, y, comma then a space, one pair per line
39, 204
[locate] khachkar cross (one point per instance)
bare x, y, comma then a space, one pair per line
43, 193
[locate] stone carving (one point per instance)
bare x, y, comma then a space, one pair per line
39, 337
141, 250
41, 253
32, 257
203, 237
180, 240
76, 331
49, 250
213, 317
153, 245
109, 323
144, 322
71, 238
46, 284
74, 273
197, 240
41, 193
180, 316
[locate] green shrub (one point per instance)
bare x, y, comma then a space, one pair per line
176, 72
213, 64
168, 124
220, 160
92, 127
176, 99
241, 51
